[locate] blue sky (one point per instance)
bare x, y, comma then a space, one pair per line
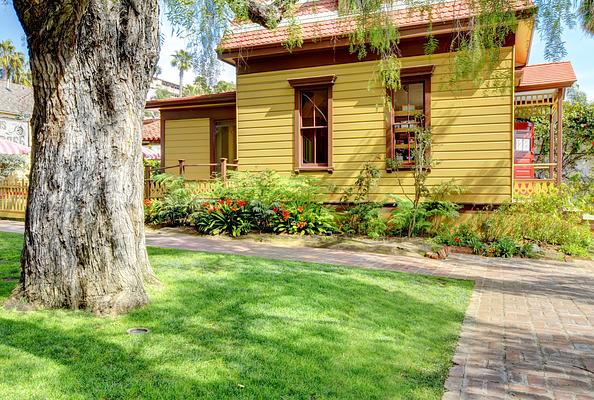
580, 50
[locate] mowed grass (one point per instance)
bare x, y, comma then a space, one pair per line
231, 327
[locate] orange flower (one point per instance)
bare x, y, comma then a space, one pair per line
300, 209
229, 202
286, 214
205, 204
241, 203
147, 202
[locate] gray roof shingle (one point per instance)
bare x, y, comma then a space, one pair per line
16, 99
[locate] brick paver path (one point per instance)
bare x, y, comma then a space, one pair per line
528, 332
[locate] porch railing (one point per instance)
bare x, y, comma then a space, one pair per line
155, 190
536, 185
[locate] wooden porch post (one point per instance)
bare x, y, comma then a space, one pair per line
224, 169
147, 182
560, 136
552, 127
182, 167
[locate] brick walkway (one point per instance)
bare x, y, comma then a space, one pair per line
528, 332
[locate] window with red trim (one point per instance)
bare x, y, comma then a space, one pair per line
408, 115
313, 122
313, 106
410, 112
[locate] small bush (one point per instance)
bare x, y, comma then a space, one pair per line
504, 247
181, 200
223, 216
548, 218
363, 219
572, 249
267, 187
428, 213
310, 219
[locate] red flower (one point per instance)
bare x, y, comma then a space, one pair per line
457, 240
286, 214
241, 203
221, 201
210, 210
229, 202
205, 204
275, 209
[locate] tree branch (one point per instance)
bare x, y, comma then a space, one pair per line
60, 18
269, 15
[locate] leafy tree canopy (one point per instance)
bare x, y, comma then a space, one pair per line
206, 21
13, 64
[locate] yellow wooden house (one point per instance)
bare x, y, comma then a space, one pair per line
318, 110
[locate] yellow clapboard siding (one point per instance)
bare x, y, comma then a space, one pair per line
471, 120
470, 146
471, 102
188, 139
472, 126
471, 111
471, 137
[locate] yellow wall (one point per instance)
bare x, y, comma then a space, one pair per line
188, 139
471, 126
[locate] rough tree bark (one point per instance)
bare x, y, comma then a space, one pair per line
91, 61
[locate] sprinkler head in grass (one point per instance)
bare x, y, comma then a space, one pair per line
137, 331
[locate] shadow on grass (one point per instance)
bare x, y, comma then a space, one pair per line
236, 327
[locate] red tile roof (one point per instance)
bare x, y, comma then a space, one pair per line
546, 76
441, 12
151, 130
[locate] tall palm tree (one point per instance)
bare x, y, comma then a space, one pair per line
7, 49
586, 12
16, 67
182, 60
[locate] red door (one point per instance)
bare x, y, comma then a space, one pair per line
524, 149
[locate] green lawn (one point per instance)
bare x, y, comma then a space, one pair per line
230, 327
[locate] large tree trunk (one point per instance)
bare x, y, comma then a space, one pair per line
92, 62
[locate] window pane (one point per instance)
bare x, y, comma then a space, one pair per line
314, 107
322, 146
307, 108
410, 97
321, 107
307, 140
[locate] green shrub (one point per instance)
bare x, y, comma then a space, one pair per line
363, 219
179, 202
267, 187
14, 165
428, 213
461, 236
504, 247
310, 219
575, 250
223, 216
548, 218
